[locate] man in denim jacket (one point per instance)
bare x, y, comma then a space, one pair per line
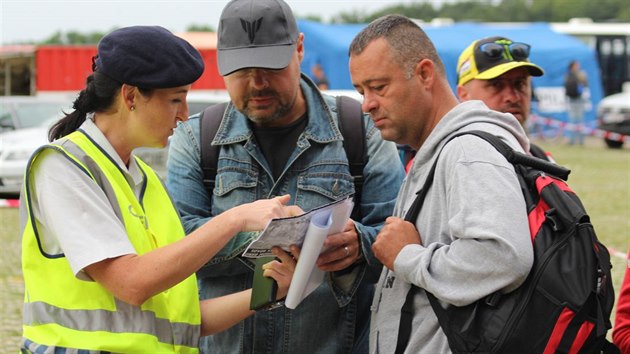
280, 135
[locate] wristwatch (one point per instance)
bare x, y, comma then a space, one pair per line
272, 306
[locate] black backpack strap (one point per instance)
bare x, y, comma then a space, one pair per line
209, 122
406, 312
353, 131
510, 154
516, 157
406, 317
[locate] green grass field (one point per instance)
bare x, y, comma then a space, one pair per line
11, 283
600, 176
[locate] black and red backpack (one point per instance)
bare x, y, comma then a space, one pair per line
564, 305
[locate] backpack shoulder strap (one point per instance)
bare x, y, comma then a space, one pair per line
516, 157
353, 131
406, 312
209, 122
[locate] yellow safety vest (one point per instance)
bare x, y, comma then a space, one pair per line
63, 311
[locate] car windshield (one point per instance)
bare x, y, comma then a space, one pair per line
29, 114
37, 113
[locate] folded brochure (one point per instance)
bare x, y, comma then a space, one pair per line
307, 231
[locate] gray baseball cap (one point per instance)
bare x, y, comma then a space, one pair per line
256, 34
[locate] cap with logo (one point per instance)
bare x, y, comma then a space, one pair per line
256, 34
491, 57
149, 57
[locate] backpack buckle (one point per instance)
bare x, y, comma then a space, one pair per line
493, 299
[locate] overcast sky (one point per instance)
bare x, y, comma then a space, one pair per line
28, 20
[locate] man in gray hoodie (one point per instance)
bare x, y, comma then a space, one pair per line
471, 237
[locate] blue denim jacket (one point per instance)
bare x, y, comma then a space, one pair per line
335, 317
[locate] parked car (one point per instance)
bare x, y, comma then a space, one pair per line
613, 115
24, 123
18, 112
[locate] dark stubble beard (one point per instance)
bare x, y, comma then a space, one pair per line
264, 119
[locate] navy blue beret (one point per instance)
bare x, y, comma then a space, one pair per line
148, 57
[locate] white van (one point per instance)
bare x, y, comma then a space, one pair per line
613, 115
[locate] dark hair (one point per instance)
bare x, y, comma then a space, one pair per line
408, 41
98, 95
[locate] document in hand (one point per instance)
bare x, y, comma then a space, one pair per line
308, 231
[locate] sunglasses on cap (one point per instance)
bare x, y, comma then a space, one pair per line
496, 51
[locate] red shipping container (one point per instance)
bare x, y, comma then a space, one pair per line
65, 68
210, 80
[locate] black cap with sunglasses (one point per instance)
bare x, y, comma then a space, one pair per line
491, 57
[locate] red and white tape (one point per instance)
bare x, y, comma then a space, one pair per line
554, 123
9, 203
613, 252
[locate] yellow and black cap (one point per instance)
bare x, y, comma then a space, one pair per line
491, 57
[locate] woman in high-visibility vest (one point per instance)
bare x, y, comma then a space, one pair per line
106, 265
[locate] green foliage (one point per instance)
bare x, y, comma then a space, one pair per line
422, 11
354, 16
314, 18
73, 37
200, 28
469, 11
55, 38
519, 10
501, 11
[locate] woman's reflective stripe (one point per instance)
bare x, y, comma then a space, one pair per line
43, 349
145, 322
73, 151
77, 157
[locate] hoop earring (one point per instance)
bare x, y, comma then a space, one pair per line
133, 108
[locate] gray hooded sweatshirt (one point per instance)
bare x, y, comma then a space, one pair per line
473, 227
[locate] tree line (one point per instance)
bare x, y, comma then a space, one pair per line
426, 10
502, 11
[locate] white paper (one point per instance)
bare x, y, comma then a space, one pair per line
301, 286
308, 231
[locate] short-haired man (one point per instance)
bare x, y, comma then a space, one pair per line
497, 71
280, 135
471, 237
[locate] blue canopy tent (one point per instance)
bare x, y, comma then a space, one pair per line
327, 44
